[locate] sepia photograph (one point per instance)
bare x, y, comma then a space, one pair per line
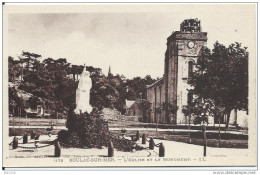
129, 85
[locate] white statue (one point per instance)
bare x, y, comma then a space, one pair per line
83, 93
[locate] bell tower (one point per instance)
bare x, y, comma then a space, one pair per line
183, 49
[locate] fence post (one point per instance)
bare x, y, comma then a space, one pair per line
137, 135
25, 138
151, 144
110, 149
204, 140
161, 150
57, 150
143, 139
15, 142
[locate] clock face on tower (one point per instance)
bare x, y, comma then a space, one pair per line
191, 44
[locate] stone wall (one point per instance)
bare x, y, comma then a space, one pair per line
111, 114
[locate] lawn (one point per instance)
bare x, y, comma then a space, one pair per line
112, 124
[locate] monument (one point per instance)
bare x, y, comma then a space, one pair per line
83, 93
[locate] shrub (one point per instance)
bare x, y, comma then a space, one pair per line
74, 140
90, 130
63, 135
28, 87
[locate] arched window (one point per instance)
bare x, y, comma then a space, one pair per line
189, 98
190, 69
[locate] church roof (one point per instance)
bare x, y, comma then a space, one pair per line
160, 81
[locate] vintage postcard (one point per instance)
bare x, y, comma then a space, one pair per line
129, 85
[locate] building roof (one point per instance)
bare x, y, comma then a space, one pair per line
160, 81
129, 103
29, 110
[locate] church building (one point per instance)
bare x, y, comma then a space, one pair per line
170, 93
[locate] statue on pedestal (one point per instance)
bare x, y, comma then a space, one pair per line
83, 93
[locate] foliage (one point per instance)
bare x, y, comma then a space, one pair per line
144, 106
202, 110
56, 81
137, 86
86, 130
33, 102
222, 77
15, 100
14, 69
172, 107
90, 130
26, 86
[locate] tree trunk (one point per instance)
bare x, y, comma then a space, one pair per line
26, 118
28, 65
14, 122
144, 116
235, 122
12, 76
189, 130
20, 116
228, 117
22, 74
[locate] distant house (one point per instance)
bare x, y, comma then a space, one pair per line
128, 106
31, 113
132, 109
39, 112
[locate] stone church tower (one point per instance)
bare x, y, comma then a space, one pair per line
171, 91
183, 49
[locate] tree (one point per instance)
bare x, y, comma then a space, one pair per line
144, 106
31, 59
172, 109
14, 69
136, 86
202, 110
222, 77
34, 101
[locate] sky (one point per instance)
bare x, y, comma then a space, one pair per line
132, 43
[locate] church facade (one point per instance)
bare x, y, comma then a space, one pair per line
169, 94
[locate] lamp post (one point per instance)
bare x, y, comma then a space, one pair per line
204, 140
